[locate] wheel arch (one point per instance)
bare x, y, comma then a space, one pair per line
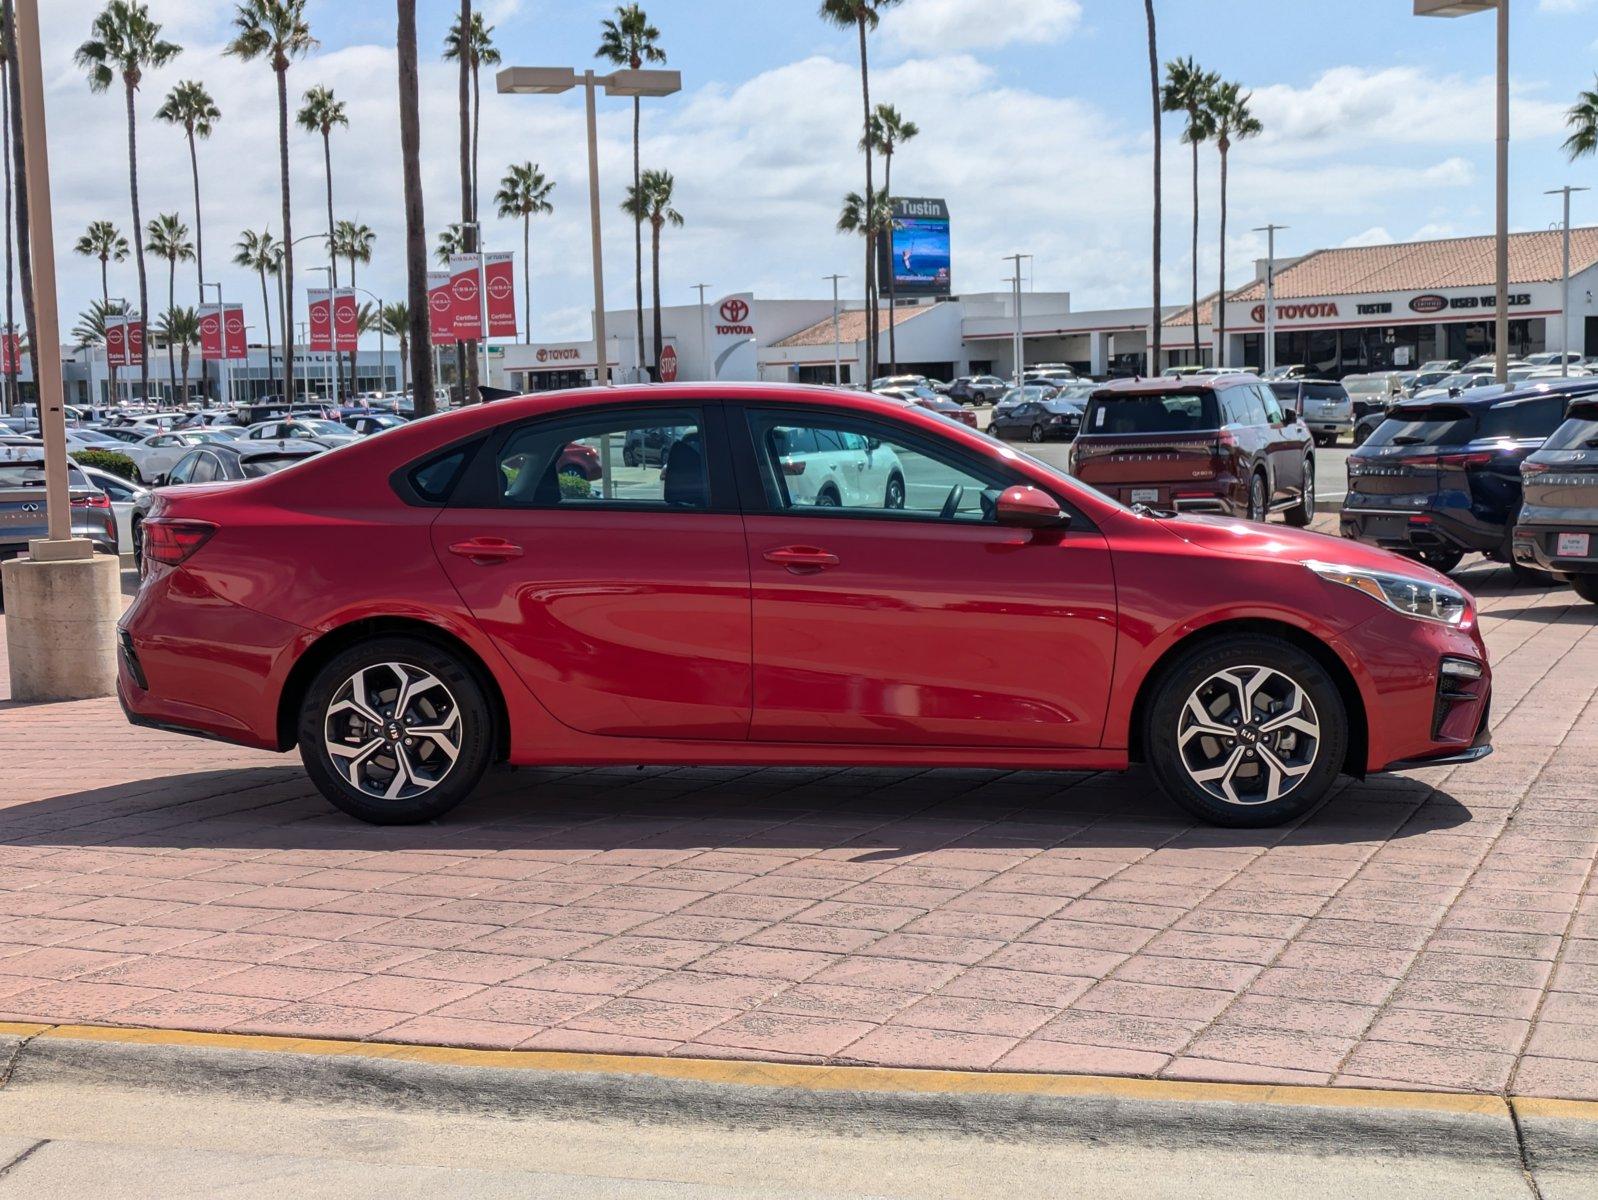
335, 641
1347, 688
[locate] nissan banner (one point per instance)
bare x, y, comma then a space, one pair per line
211, 333
440, 306
321, 302
124, 341
10, 359
234, 346
499, 275
466, 308
346, 320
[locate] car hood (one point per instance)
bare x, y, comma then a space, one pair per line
1250, 539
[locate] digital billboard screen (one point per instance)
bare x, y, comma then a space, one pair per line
918, 258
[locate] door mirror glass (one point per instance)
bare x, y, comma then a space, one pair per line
1030, 508
1289, 414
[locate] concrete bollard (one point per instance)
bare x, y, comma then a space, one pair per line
61, 622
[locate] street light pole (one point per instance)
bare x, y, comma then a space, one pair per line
704, 351
837, 336
1269, 231
1564, 295
1020, 335
551, 80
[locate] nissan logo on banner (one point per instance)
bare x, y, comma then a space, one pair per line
732, 338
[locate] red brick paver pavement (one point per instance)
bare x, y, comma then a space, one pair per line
1438, 929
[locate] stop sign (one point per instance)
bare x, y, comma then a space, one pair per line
668, 364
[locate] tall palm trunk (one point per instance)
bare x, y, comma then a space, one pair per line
185, 357
105, 309
1198, 358
1220, 298
350, 391
477, 127
19, 165
467, 359
887, 190
527, 277
638, 236
199, 248
286, 279
421, 340
871, 257
9, 400
654, 273
1153, 364
171, 306
266, 316
138, 233
332, 255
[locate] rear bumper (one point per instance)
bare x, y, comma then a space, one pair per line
1420, 528
1536, 545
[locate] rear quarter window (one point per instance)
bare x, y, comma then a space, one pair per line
1168, 412
1523, 418
1426, 425
1578, 433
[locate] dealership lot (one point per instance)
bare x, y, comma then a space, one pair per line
1436, 929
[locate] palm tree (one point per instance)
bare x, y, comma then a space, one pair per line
102, 240
180, 326
1232, 122
1153, 364
18, 254
168, 237
483, 54
889, 131
395, 321
258, 252
1583, 122
466, 353
1189, 90
862, 16
651, 201
190, 105
319, 113
629, 40
523, 192
421, 341
276, 29
90, 329
451, 241
870, 222
354, 241
124, 41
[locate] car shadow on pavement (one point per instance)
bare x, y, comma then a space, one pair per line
862, 815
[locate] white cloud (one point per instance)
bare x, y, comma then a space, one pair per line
1376, 235
941, 26
1563, 6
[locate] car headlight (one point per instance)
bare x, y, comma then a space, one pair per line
1402, 593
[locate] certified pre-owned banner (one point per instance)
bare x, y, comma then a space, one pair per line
321, 302
124, 341
466, 308
346, 320
499, 274
440, 308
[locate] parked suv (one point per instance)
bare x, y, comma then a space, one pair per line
1440, 478
1557, 529
977, 389
1322, 404
1218, 444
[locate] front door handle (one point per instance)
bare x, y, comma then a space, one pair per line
800, 559
486, 550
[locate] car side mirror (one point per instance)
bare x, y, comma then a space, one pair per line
1030, 508
1289, 414
873, 443
161, 480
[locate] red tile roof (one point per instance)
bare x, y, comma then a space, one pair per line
851, 327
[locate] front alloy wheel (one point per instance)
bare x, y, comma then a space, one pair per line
1248, 735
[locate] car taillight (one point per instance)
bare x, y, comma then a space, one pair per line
789, 467
98, 500
1478, 458
1533, 468
173, 541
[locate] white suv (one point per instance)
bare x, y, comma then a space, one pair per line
833, 467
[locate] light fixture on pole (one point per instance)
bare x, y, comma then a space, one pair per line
1564, 293
1020, 335
1270, 293
1461, 8
704, 352
837, 343
545, 81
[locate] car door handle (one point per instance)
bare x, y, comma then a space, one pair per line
486, 549
802, 558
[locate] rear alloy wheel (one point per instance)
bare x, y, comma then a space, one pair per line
894, 496
1245, 731
1258, 509
395, 731
1035, 434
1586, 587
1302, 513
827, 498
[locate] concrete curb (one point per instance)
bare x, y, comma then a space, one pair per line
1558, 1135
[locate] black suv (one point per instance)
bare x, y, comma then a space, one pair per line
1558, 526
1440, 478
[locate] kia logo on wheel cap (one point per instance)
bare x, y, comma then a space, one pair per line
734, 311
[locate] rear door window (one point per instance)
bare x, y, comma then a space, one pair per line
1167, 412
1523, 418
1273, 408
1426, 425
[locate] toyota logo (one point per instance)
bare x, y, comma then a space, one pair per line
734, 311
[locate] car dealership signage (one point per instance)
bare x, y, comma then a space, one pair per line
1389, 308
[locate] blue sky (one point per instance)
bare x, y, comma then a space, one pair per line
1034, 118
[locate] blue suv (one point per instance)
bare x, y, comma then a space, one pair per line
1440, 477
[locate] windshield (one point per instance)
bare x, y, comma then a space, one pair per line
22, 474
1578, 433
326, 428
1425, 425
1364, 387
265, 464
1165, 412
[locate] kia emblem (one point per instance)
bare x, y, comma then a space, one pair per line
734, 311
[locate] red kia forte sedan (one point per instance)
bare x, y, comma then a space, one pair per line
809, 577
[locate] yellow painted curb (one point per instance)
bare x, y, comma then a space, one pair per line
831, 1078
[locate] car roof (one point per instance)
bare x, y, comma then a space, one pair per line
1499, 394
1184, 385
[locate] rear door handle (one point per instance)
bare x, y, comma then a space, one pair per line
486, 549
799, 559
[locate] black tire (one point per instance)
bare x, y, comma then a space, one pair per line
828, 497
893, 495
1524, 576
628, 458
1168, 703
1438, 558
1302, 513
1259, 497
453, 783
1586, 587
1035, 434
995, 431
